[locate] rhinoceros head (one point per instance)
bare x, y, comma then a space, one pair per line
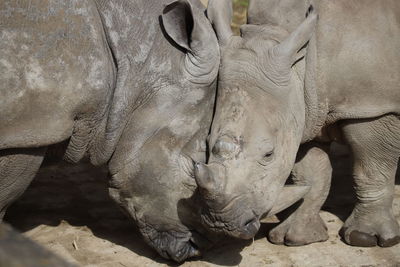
257, 127
152, 171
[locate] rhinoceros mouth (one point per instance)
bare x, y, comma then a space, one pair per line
175, 245
246, 230
243, 224
236, 221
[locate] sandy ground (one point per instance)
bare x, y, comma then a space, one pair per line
67, 209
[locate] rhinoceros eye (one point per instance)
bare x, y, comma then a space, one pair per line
269, 154
267, 158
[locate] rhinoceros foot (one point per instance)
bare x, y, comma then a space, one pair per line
298, 230
364, 231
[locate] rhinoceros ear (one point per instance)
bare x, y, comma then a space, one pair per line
220, 14
188, 27
287, 50
182, 23
177, 19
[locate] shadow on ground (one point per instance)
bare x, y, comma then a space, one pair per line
78, 195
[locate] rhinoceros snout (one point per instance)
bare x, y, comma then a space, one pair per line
190, 250
249, 229
176, 249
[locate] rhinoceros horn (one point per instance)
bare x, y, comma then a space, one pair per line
287, 51
209, 182
289, 195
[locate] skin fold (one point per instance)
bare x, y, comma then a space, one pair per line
298, 78
127, 83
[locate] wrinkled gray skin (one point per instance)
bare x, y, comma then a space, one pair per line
272, 99
120, 83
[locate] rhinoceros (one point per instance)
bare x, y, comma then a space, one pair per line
284, 97
127, 83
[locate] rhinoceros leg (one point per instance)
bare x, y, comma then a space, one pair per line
375, 145
305, 225
17, 169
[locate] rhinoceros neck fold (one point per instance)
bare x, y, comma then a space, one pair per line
133, 33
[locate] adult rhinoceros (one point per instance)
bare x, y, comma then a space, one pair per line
128, 83
272, 99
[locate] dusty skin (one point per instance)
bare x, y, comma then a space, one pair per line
276, 93
115, 78
67, 209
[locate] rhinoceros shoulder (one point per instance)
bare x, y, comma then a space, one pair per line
358, 57
55, 67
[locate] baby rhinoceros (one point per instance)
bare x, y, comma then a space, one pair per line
335, 77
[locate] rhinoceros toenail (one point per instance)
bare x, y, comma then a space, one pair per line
389, 242
294, 243
275, 240
361, 239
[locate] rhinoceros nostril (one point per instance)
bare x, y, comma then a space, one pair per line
250, 228
250, 221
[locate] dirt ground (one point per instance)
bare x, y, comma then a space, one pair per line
67, 209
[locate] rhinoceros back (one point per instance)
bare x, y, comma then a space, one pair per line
54, 69
359, 57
